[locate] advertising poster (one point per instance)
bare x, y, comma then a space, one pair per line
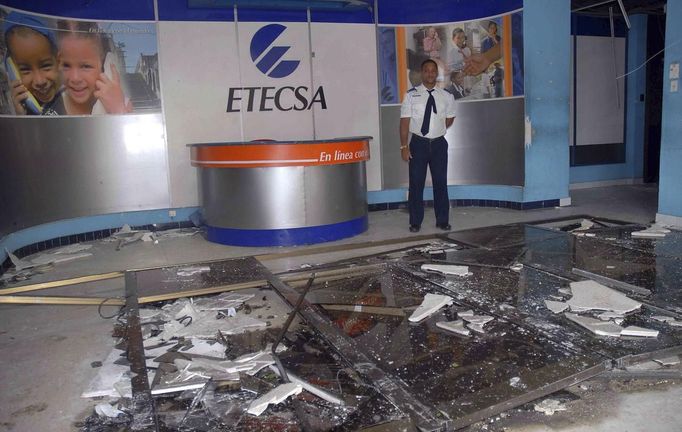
62, 67
478, 59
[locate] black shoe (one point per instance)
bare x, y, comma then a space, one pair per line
414, 228
444, 227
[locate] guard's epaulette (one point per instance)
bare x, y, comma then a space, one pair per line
412, 89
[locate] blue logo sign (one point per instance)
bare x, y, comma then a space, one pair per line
270, 57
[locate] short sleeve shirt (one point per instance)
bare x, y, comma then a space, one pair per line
414, 106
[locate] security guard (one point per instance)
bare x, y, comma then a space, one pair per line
426, 112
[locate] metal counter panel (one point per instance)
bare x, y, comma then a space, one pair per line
269, 198
485, 144
67, 167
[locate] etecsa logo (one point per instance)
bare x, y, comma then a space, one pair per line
268, 58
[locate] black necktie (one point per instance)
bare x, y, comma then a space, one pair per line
430, 105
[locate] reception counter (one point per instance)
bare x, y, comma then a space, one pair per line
282, 193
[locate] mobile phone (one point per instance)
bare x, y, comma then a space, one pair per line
31, 104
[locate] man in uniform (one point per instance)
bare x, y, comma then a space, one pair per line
426, 112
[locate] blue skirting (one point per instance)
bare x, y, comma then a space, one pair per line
289, 236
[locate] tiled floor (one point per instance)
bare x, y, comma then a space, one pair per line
47, 351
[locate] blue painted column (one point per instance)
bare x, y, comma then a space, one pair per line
546, 36
634, 107
670, 177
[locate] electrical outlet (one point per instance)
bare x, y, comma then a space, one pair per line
674, 71
172, 213
673, 86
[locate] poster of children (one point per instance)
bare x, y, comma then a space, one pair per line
57, 67
474, 59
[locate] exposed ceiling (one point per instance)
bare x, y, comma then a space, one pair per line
601, 7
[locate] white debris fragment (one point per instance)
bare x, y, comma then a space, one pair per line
431, 304
668, 320
190, 271
608, 315
72, 248
148, 237
668, 361
556, 306
585, 224
516, 383
477, 322
274, 396
447, 269
469, 312
456, 326
654, 231
110, 373
550, 406
639, 332
54, 258
602, 328
517, 267
224, 301
317, 391
205, 348
106, 410
565, 291
590, 295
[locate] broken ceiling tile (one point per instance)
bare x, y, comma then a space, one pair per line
639, 332
556, 306
106, 410
589, 295
274, 396
517, 267
609, 315
431, 304
668, 320
603, 328
565, 291
668, 361
654, 231
469, 312
222, 302
454, 326
52, 258
107, 375
205, 348
477, 322
317, 391
550, 406
447, 269
191, 271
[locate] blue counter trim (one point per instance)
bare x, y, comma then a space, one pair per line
287, 237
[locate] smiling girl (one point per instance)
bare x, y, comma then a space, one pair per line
81, 61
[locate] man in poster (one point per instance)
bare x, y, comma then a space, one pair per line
427, 112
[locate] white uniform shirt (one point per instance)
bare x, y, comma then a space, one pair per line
414, 106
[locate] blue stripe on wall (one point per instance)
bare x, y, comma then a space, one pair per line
438, 11
127, 10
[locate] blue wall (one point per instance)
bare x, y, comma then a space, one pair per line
633, 168
546, 34
670, 178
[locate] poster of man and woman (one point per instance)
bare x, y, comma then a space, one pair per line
58, 67
479, 59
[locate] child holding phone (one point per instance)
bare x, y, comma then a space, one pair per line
31, 64
82, 65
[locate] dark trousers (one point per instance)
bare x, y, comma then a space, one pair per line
434, 154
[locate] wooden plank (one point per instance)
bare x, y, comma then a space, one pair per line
60, 283
62, 300
202, 291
